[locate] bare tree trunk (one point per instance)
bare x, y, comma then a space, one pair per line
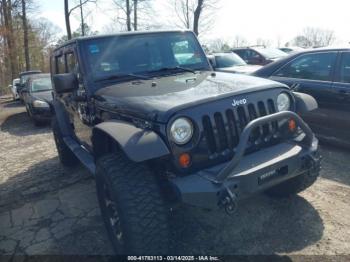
187, 15
66, 15
82, 20
10, 43
196, 16
128, 13
25, 35
135, 15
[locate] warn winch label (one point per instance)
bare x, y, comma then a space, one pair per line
267, 177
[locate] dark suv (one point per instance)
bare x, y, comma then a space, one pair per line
259, 55
145, 113
23, 76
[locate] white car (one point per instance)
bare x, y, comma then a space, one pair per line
14, 89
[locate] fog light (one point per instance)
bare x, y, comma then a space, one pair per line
185, 160
292, 125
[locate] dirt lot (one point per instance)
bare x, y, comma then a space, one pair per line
48, 209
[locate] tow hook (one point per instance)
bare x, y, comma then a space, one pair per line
315, 163
229, 202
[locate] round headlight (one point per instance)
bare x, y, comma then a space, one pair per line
283, 102
181, 131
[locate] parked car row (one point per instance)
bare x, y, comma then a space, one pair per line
259, 55
34, 89
324, 74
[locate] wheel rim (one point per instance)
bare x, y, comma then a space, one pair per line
112, 218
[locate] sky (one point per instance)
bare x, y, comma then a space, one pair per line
275, 20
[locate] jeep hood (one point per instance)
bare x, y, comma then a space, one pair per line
158, 99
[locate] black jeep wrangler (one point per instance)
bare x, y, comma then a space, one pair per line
145, 113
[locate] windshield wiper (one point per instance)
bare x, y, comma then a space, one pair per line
120, 76
175, 68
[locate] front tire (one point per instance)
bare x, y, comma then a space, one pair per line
66, 156
132, 207
293, 186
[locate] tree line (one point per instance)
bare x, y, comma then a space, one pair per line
309, 37
26, 42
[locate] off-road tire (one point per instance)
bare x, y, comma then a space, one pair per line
139, 204
293, 186
66, 156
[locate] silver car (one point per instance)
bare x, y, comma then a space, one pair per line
231, 63
13, 89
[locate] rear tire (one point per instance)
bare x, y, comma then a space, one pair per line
133, 209
66, 156
293, 186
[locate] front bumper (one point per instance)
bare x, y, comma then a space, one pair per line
245, 175
41, 114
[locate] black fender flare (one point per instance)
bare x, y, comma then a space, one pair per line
138, 144
58, 111
304, 103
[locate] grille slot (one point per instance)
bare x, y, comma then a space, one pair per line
222, 129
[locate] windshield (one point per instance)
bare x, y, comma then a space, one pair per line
127, 55
229, 60
41, 84
271, 53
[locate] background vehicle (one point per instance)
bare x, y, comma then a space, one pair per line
325, 74
291, 49
230, 63
259, 55
37, 95
13, 88
23, 78
154, 126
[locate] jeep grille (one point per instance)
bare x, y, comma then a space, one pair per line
222, 129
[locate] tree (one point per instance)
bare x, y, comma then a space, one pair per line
219, 45
25, 34
66, 16
239, 41
8, 36
195, 14
68, 11
314, 37
41, 36
263, 42
131, 12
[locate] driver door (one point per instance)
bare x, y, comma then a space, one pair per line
76, 101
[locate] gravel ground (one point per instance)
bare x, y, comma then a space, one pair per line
48, 209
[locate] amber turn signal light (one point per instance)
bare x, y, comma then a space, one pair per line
292, 125
185, 160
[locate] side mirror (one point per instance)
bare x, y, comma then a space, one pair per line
64, 83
